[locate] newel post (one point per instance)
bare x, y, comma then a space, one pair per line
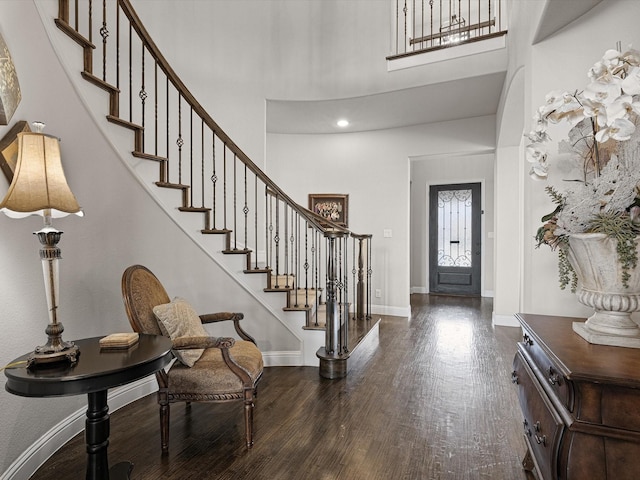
363, 284
333, 356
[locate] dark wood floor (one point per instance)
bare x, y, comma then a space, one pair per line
433, 400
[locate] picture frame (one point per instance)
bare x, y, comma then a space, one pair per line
9, 148
332, 206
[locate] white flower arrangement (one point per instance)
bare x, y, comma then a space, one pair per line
603, 146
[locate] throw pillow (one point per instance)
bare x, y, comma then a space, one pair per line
179, 319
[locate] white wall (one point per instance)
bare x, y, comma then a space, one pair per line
562, 62
441, 169
373, 168
245, 38
122, 225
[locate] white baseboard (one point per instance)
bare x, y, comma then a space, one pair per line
41, 450
486, 293
389, 310
282, 359
504, 320
38, 453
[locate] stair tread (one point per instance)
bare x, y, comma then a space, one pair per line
236, 251
281, 289
194, 209
258, 270
124, 123
149, 156
172, 185
215, 231
98, 82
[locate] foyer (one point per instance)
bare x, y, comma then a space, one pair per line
433, 400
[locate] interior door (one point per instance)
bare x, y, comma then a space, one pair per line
454, 239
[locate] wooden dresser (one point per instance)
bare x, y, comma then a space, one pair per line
580, 403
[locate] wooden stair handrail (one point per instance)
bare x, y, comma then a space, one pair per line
146, 39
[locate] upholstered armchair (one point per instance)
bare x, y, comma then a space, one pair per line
207, 369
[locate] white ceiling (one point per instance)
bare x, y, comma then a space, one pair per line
462, 98
475, 95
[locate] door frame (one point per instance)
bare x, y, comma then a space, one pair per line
431, 183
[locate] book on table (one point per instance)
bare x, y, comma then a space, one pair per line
119, 340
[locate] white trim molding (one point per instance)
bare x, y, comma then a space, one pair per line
37, 454
504, 320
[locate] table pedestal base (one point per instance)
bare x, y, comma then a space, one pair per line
97, 439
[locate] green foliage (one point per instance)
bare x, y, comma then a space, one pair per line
619, 226
566, 273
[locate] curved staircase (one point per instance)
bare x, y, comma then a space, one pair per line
320, 268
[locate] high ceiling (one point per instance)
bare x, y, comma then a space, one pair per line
472, 96
463, 98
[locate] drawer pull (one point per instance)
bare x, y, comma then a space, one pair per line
514, 377
554, 378
527, 430
540, 440
527, 339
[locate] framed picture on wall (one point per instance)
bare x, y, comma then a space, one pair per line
332, 206
9, 149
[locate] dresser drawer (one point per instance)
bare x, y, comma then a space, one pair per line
553, 378
543, 427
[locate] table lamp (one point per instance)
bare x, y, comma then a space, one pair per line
39, 187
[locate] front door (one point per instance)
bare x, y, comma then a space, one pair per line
454, 239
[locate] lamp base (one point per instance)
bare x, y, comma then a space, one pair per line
55, 350
69, 355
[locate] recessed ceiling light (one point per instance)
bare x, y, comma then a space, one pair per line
343, 123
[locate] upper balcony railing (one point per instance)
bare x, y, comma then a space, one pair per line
427, 25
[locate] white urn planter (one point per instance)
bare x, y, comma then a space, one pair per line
594, 258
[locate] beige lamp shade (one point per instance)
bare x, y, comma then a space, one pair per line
10, 95
39, 183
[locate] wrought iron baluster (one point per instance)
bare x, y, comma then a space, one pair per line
164, 176
314, 260
179, 140
369, 274
431, 19
143, 96
306, 266
276, 240
405, 11
155, 108
224, 187
245, 210
286, 245
297, 278
255, 218
422, 24
353, 268
90, 21
269, 231
202, 157
214, 181
104, 33
130, 72
191, 157
117, 46
235, 209
413, 19
469, 15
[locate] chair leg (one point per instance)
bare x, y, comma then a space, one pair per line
248, 416
165, 412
